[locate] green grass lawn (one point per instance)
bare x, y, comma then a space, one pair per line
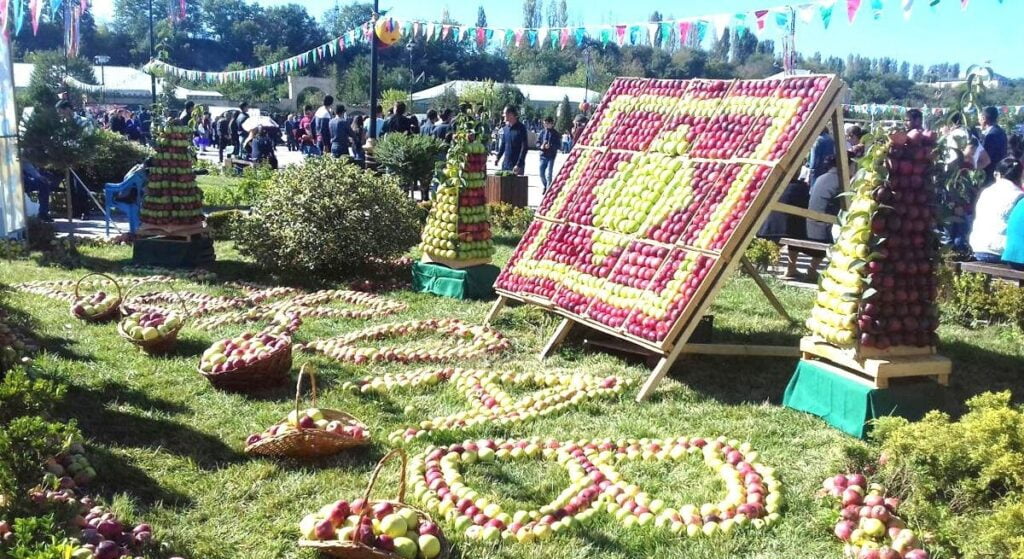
168, 447
217, 189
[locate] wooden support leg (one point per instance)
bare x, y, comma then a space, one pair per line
659, 372
559, 336
493, 313
751, 271
67, 194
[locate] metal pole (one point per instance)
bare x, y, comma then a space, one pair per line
103, 84
586, 75
152, 52
373, 72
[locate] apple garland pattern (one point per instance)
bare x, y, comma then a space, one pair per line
879, 289
753, 492
490, 404
15, 346
470, 342
309, 305
635, 222
458, 226
868, 523
172, 197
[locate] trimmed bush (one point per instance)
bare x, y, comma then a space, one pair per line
328, 219
111, 160
411, 158
224, 224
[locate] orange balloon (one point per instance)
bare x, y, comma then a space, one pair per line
388, 31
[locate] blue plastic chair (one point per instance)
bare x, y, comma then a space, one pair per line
134, 209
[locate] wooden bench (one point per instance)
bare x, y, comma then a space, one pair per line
998, 271
804, 243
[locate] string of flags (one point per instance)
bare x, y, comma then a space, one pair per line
897, 111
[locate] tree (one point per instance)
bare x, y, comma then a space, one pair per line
447, 100
561, 14
342, 19
47, 80
720, 50
481, 16
563, 116
744, 46
531, 13
918, 73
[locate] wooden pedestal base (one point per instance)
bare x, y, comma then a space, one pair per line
878, 367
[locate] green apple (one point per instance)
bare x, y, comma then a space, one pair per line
412, 520
405, 547
430, 546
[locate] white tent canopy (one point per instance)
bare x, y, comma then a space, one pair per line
535, 94
121, 81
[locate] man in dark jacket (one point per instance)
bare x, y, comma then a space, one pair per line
513, 144
549, 141
289, 132
993, 139
399, 122
341, 133
263, 148
428, 125
222, 127
240, 133
443, 129
322, 124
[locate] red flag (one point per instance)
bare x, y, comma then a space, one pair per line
759, 14
481, 36
851, 9
684, 32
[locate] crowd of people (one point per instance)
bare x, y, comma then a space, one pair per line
988, 221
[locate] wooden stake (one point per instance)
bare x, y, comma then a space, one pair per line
559, 336
493, 313
751, 271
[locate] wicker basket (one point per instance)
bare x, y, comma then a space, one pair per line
162, 344
356, 550
106, 316
266, 373
308, 443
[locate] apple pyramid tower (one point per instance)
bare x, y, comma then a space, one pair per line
458, 227
879, 288
172, 197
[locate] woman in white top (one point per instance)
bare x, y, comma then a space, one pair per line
988, 236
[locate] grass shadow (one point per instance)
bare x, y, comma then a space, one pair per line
116, 473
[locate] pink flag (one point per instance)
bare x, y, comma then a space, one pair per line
563, 41
759, 14
620, 34
851, 9
684, 32
35, 10
445, 30
481, 36
3, 16
182, 12
519, 36
963, 4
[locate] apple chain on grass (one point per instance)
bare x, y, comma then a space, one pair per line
15, 346
470, 342
308, 305
489, 403
868, 523
311, 418
390, 529
64, 290
752, 492
197, 275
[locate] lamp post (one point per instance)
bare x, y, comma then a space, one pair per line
101, 60
152, 52
373, 72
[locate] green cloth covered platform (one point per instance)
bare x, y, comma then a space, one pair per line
474, 282
849, 404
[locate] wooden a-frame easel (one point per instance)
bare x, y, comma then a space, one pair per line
827, 114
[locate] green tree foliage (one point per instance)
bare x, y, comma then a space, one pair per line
532, 13
413, 159
563, 116
481, 16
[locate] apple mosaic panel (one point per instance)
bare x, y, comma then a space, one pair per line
661, 178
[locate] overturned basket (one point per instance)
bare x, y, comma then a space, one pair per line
165, 343
104, 316
358, 550
270, 372
309, 443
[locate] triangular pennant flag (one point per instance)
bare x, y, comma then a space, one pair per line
510, 38
488, 36
555, 36
666, 33
531, 36
907, 6
445, 31
702, 31
806, 13
684, 32
3, 15
54, 8
620, 35
782, 20
581, 36
481, 37
519, 37
35, 10
542, 35
876, 8
963, 4
851, 9
740, 21
563, 41
431, 29
652, 33
721, 22
826, 14
759, 15
606, 36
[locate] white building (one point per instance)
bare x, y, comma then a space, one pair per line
123, 85
538, 96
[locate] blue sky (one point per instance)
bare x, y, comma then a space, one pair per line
986, 32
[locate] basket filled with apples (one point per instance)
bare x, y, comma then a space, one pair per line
154, 330
249, 361
366, 529
310, 432
98, 307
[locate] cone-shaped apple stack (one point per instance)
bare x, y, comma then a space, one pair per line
172, 197
879, 289
458, 227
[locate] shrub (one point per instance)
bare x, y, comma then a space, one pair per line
113, 156
328, 219
953, 474
23, 395
41, 234
970, 298
25, 443
242, 192
411, 158
510, 218
224, 224
763, 254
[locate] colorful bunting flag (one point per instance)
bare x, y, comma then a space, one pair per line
963, 4
564, 39
826, 14
806, 13
620, 35
851, 9
759, 15
907, 6
3, 15
684, 32
782, 20
35, 10
876, 8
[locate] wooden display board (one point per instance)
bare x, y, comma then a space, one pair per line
657, 203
